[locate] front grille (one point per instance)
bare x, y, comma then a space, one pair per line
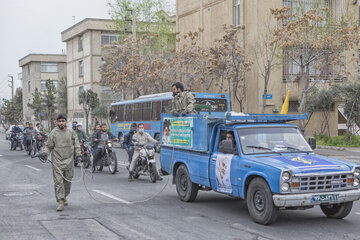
322, 183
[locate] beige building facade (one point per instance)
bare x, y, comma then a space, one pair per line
211, 15
85, 43
36, 69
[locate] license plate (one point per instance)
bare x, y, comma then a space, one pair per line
325, 197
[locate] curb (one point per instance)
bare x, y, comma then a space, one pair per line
331, 147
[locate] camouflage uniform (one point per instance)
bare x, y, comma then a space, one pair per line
62, 144
186, 103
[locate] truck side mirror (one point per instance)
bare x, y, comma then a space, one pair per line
312, 143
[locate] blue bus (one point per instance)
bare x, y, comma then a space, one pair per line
147, 109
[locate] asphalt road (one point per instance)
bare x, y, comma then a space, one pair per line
28, 209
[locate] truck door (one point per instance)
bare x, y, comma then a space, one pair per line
222, 165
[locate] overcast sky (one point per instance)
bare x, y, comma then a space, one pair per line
35, 26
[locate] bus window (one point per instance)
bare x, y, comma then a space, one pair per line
146, 111
128, 112
113, 114
137, 112
156, 107
120, 113
166, 105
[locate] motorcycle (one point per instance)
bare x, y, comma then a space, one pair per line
146, 164
37, 141
85, 153
32, 148
18, 139
108, 157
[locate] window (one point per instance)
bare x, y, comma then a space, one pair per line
156, 111
81, 43
43, 84
81, 68
293, 106
129, 113
120, 113
103, 60
49, 67
109, 38
28, 68
146, 111
29, 86
236, 12
113, 113
166, 106
138, 112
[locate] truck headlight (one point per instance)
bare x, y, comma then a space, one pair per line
285, 187
285, 176
357, 172
356, 182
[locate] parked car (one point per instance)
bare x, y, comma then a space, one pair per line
8, 132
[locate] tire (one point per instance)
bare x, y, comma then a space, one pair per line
152, 171
113, 165
30, 149
21, 147
136, 175
75, 163
337, 211
101, 166
186, 189
260, 203
34, 150
86, 161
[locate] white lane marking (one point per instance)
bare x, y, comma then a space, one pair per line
136, 232
111, 196
34, 168
1, 155
357, 213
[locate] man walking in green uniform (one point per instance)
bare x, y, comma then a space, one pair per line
183, 102
62, 144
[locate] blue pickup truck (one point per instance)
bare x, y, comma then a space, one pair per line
257, 157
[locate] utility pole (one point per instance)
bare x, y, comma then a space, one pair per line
12, 85
133, 23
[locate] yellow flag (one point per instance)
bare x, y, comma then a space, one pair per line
285, 106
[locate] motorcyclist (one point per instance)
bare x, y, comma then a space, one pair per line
73, 125
80, 133
91, 140
128, 144
27, 134
140, 139
15, 129
101, 136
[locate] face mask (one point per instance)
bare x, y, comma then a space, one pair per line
132, 129
141, 131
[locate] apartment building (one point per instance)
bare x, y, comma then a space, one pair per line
211, 15
36, 69
85, 48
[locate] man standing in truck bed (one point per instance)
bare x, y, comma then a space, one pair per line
183, 102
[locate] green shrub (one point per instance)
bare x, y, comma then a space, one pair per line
338, 141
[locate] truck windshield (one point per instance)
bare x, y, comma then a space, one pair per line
272, 139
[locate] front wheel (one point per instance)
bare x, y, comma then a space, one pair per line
186, 189
152, 172
86, 160
337, 211
30, 148
112, 162
260, 203
34, 150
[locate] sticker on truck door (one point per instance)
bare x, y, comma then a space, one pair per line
222, 173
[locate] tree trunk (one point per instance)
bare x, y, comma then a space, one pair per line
304, 82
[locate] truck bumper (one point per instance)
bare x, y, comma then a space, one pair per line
311, 199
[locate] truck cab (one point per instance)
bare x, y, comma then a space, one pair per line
257, 157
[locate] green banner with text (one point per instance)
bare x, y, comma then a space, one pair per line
178, 132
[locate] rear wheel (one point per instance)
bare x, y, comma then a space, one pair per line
337, 211
186, 189
112, 162
260, 203
153, 173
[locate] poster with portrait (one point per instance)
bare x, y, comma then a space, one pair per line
177, 132
222, 172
